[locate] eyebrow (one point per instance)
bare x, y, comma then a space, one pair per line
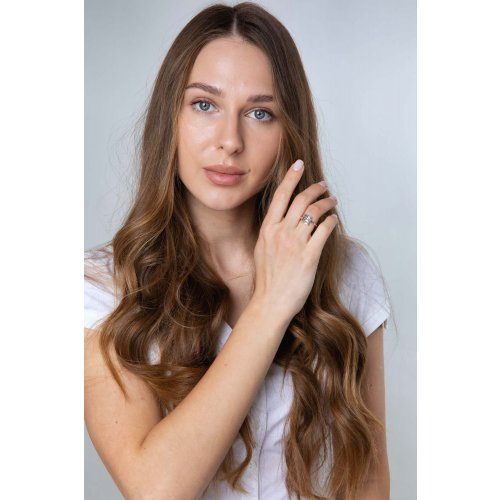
218, 92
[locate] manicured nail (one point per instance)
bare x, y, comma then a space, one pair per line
298, 165
323, 183
333, 198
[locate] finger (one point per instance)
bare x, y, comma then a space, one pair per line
316, 211
318, 239
301, 204
283, 193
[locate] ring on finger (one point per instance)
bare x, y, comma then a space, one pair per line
307, 219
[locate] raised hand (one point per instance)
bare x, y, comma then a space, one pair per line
287, 251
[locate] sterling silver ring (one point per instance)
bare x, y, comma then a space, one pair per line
307, 219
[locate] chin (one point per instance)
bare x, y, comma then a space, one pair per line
220, 201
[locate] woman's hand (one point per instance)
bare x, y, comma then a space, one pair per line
287, 251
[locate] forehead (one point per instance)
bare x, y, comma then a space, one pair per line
233, 65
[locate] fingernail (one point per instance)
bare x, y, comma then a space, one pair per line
333, 198
323, 183
298, 165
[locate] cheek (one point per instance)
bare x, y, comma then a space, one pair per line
268, 144
190, 134
271, 136
268, 148
190, 131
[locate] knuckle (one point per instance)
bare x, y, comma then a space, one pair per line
302, 198
265, 231
315, 212
325, 205
310, 194
271, 234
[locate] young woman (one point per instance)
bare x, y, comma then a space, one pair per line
233, 330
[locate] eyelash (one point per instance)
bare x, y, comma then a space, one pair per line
271, 114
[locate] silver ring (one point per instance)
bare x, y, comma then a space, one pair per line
307, 219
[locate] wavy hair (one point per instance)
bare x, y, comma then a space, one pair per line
171, 297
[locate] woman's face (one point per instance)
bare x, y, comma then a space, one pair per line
228, 129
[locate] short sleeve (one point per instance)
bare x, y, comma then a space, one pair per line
99, 294
363, 291
99, 297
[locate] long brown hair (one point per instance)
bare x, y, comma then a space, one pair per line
172, 299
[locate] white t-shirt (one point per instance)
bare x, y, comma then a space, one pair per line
364, 295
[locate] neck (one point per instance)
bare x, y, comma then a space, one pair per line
229, 235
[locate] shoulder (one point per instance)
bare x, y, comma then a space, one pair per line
100, 294
99, 289
363, 290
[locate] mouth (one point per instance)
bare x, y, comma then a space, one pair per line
223, 179
223, 169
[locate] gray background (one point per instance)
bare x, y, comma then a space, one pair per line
360, 58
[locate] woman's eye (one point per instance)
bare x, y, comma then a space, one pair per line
262, 112
205, 106
201, 102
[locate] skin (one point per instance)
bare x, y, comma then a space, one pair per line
228, 130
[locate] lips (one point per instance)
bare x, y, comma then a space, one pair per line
224, 169
220, 179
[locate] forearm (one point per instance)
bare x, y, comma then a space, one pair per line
182, 452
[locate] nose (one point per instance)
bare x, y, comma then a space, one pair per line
229, 133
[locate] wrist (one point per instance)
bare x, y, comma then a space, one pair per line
265, 309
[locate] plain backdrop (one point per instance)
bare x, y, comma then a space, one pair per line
360, 59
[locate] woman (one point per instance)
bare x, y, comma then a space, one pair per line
233, 340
